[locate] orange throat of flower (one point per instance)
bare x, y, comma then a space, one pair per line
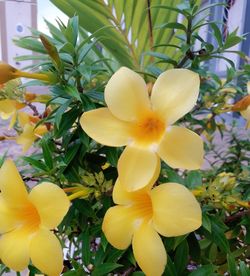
29, 217
149, 129
143, 207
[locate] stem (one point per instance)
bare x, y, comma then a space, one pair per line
188, 53
33, 108
78, 195
37, 76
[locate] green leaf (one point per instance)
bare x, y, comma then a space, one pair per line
86, 253
244, 270
193, 179
104, 269
206, 223
172, 25
71, 152
36, 163
217, 34
231, 265
78, 272
73, 92
60, 111
66, 122
170, 269
47, 154
218, 235
231, 41
181, 257
203, 270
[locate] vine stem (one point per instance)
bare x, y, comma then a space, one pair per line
188, 53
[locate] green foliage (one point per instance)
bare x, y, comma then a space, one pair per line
98, 39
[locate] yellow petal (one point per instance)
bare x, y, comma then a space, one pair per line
175, 210
12, 187
7, 217
51, 203
126, 95
182, 148
27, 137
23, 118
138, 168
106, 129
46, 253
13, 120
7, 108
118, 226
14, 249
248, 87
175, 93
121, 196
149, 251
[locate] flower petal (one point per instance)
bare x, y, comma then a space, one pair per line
126, 95
138, 168
175, 210
7, 217
175, 93
27, 137
106, 129
12, 187
7, 108
51, 203
182, 148
121, 196
149, 250
118, 226
46, 253
14, 249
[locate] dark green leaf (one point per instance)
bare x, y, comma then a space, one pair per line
47, 154
203, 270
104, 269
181, 257
231, 265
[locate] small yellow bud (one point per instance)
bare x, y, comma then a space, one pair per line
7, 73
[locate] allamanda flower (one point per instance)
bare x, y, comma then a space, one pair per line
144, 124
30, 132
169, 209
26, 220
243, 106
9, 109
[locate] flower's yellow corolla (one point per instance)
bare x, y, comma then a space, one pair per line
243, 106
144, 124
30, 132
8, 109
26, 220
169, 209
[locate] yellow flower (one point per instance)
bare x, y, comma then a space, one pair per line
9, 108
26, 220
8, 73
169, 209
243, 106
30, 132
144, 124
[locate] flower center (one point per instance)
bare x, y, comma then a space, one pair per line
143, 207
149, 129
29, 217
